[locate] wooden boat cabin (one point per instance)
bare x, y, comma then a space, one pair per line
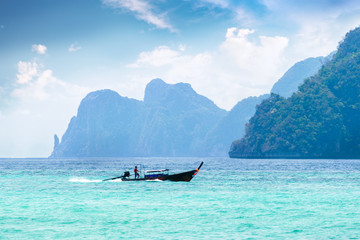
154, 174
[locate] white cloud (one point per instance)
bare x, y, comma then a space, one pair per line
26, 72
234, 33
39, 49
74, 47
143, 10
41, 105
37, 88
239, 68
250, 56
36, 82
244, 64
317, 26
319, 35
160, 56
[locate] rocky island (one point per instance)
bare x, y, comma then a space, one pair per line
320, 120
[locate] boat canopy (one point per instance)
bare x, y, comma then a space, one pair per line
152, 171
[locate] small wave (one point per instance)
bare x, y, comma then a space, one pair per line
83, 180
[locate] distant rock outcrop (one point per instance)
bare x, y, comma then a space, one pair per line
104, 126
171, 121
56, 141
176, 120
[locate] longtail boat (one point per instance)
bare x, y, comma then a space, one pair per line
162, 175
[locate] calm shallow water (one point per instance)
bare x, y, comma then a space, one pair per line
228, 199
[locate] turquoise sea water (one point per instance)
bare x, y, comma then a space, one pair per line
228, 199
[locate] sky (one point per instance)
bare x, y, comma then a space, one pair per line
52, 53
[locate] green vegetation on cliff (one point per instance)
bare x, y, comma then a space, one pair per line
320, 120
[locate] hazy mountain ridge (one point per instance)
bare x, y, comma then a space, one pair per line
177, 119
219, 139
232, 126
321, 120
173, 120
295, 76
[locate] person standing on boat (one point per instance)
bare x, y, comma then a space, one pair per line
136, 171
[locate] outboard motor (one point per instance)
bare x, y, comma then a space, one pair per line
126, 174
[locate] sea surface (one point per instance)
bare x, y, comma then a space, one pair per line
227, 199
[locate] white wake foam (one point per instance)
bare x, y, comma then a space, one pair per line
116, 180
83, 180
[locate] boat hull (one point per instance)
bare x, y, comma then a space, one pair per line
179, 177
182, 177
